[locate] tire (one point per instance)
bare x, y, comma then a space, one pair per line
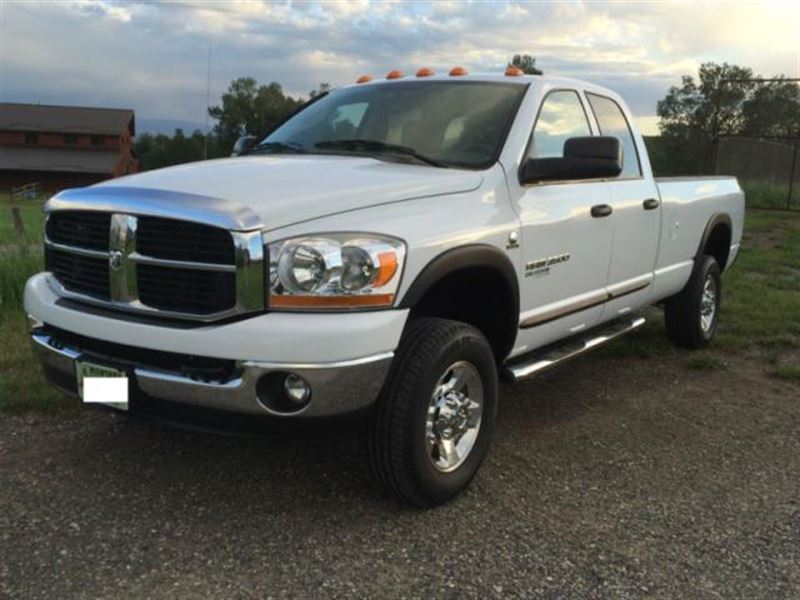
691, 317
405, 453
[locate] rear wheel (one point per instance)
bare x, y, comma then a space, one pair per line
432, 425
691, 317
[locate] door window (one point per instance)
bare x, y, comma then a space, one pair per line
560, 118
612, 121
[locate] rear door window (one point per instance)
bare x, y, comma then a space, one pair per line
612, 122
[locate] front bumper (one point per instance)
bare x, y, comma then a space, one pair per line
347, 356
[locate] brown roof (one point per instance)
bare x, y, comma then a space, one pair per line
57, 159
65, 119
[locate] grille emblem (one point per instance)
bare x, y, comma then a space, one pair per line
121, 267
115, 260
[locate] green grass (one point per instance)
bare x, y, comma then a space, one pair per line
770, 195
787, 373
22, 385
760, 307
705, 362
32, 220
761, 303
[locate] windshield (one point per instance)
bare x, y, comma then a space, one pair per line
442, 123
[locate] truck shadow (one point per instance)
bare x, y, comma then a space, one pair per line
176, 468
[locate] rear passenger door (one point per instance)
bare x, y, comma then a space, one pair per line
636, 215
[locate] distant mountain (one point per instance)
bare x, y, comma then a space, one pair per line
165, 126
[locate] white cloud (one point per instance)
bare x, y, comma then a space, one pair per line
152, 57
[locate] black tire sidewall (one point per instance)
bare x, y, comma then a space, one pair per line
468, 346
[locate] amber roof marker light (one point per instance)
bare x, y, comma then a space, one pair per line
512, 71
425, 72
364, 79
395, 74
458, 72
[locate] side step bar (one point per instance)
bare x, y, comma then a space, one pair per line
538, 361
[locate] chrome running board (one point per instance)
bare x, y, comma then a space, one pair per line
541, 360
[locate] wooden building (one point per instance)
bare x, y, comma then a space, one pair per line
64, 146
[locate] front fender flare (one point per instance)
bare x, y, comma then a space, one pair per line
466, 257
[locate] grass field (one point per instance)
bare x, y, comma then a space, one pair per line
760, 312
22, 385
771, 195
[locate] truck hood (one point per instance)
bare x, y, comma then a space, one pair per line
287, 189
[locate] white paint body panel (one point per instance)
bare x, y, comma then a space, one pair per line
434, 210
288, 189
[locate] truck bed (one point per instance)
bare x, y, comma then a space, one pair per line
688, 205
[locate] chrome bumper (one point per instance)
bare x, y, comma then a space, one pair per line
336, 388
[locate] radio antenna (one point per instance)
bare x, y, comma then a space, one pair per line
208, 98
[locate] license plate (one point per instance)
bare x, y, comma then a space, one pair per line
99, 384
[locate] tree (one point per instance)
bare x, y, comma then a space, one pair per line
248, 108
323, 88
696, 114
156, 151
773, 110
526, 62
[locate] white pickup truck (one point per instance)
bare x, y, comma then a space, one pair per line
387, 252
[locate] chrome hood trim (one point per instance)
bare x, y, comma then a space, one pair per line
227, 214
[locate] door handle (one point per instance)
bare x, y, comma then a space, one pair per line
651, 204
601, 210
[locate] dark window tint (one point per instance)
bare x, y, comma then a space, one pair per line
560, 118
70, 139
31, 138
458, 123
612, 121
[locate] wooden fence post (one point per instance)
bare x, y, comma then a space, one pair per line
19, 226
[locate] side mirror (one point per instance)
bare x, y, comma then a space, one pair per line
244, 144
584, 158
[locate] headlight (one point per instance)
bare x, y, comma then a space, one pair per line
335, 271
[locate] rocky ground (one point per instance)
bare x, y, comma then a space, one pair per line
609, 476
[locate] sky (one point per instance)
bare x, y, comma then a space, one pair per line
153, 56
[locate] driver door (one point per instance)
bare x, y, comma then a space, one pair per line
566, 249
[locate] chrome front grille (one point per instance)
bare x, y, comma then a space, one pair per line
192, 242
84, 274
84, 229
163, 266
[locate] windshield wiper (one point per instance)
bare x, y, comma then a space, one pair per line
278, 147
376, 147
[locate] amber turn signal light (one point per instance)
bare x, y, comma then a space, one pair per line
395, 74
311, 302
512, 71
364, 79
425, 72
458, 72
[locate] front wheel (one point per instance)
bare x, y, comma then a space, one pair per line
691, 316
432, 425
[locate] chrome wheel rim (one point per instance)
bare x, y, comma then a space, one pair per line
454, 416
708, 304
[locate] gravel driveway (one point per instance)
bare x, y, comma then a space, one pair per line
608, 477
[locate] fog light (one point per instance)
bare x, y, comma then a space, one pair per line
296, 389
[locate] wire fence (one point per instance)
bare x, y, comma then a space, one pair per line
766, 164
767, 168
